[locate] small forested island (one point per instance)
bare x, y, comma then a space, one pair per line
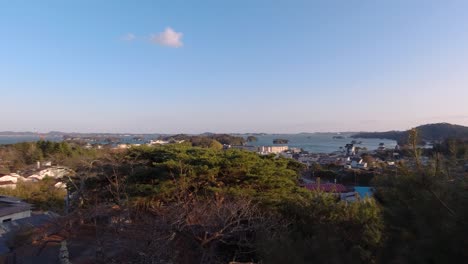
252, 139
208, 139
280, 141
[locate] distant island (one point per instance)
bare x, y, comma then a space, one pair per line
280, 141
207, 139
252, 139
428, 132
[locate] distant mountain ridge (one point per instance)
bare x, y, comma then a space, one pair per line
428, 132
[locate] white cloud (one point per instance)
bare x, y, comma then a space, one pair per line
128, 37
168, 38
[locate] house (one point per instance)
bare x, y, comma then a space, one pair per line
123, 146
295, 150
362, 165
12, 209
381, 147
158, 142
358, 163
355, 161
174, 141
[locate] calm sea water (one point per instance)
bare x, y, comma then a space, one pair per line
18, 139
313, 142
321, 142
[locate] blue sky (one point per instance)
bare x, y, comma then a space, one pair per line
232, 66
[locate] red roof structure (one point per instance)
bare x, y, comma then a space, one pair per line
326, 187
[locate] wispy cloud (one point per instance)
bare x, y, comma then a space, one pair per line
128, 37
168, 38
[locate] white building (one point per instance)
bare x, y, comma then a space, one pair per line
123, 146
158, 142
358, 163
272, 149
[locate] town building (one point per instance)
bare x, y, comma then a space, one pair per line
272, 149
158, 142
358, 163
123, 146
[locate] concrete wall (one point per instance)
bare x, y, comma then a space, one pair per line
16, 216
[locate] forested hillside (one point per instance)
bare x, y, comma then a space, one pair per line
429, 132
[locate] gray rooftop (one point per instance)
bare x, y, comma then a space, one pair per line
10, 205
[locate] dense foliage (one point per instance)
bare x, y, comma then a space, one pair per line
275, 217
426, 216
209, 171
180, 203
21, 155
42, 195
